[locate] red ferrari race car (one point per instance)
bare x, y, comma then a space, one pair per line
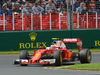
56, 54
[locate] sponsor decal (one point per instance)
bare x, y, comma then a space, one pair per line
32, 44
38, 54
33, 36
70, 39
69, 55
97, 43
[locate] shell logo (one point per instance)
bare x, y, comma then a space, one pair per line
69, 55
38, 54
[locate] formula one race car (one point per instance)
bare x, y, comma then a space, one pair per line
56, 54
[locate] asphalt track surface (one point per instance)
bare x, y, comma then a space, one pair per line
7, 68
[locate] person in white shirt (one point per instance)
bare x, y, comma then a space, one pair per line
37, 9
26, 10
50, 6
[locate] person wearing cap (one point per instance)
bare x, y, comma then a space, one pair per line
93, 8
5, 10
93, 2
37, 9
49, 6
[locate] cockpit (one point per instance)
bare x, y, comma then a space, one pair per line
58, 44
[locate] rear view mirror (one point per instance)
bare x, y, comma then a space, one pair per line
40, 47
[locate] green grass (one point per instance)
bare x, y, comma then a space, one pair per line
31, 51
92, 67
14, 52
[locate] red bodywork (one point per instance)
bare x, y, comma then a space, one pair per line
60, 46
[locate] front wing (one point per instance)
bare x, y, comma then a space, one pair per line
42, 61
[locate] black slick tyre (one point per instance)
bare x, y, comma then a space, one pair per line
85, 56
24, 55
58, 57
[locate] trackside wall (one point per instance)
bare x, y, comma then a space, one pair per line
34, 39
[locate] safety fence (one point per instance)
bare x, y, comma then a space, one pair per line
87, 21
23, 22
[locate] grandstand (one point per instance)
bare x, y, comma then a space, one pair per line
22, 15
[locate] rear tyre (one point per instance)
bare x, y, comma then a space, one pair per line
58, 57
23, 55
85, 56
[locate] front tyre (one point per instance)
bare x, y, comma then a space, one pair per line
24, 55
58, 57
23, 64
85, 56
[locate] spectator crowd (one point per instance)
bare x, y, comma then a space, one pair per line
48, 6
45, 7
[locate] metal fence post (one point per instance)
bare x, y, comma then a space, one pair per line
68, 14
68, 20
78, 20
96, 20
41, 20
31, 21
72, 15
87, 20
4, 21
50, 21
13, 21
22, 22
59, 22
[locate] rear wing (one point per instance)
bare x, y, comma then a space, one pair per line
74, 40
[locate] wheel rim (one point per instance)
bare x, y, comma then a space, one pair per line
89, 56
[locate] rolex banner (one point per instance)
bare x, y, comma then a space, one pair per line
30, 40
